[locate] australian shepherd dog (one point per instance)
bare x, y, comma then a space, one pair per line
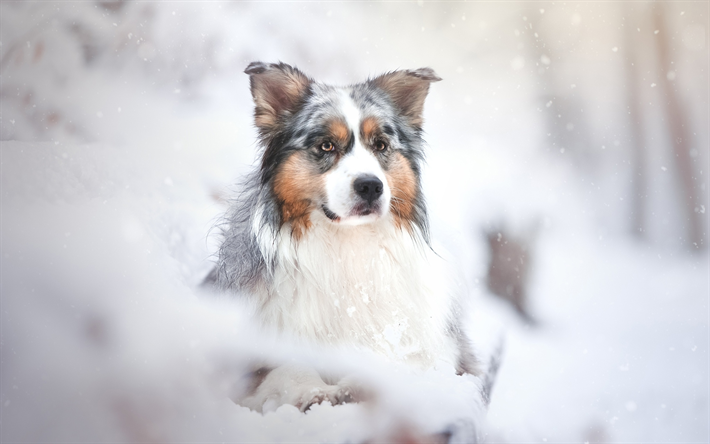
330, 237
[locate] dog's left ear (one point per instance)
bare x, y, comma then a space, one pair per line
277, 89
408, 89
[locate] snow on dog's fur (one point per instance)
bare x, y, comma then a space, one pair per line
330, 235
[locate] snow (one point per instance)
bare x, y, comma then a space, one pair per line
102, 325
112, 173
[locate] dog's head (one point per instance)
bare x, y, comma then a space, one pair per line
350, 153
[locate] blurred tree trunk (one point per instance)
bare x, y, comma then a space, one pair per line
638, 135
678, 127
509, 268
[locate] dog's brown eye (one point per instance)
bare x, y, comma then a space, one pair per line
380, 145
327, 146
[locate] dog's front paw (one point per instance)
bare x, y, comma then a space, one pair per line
299, 387
335, 394
304, 397
315, 395
343, 393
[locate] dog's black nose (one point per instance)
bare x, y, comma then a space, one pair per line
368, 187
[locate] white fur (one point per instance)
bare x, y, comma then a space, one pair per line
359, 161
266, 237
350, 110
371, 286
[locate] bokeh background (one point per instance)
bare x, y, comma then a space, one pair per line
567, 175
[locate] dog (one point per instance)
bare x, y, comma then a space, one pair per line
329, 236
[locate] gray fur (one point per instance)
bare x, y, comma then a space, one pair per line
241, 265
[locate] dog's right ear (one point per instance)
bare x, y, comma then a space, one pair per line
277, 90
408, 89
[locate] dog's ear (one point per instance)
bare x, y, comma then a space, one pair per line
277, 90
408, 89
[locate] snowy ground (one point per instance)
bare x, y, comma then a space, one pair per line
105, 336
105, 235
620, 351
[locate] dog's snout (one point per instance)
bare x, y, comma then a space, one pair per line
368, 187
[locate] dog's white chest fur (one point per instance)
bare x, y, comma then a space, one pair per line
370, 285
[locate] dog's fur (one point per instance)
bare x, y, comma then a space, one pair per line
330, 235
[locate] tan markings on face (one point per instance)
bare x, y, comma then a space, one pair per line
403, 184
369, 129
297, 186
339, 131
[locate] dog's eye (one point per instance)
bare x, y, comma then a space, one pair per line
380, 145
327, 146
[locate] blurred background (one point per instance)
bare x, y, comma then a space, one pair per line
567, 171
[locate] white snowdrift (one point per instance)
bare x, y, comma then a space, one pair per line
103, 340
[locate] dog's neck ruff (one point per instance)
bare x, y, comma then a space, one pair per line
365, 285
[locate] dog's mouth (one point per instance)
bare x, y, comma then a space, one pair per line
365, 209
360, 210
330, 215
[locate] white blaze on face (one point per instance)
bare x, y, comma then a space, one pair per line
359, 161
